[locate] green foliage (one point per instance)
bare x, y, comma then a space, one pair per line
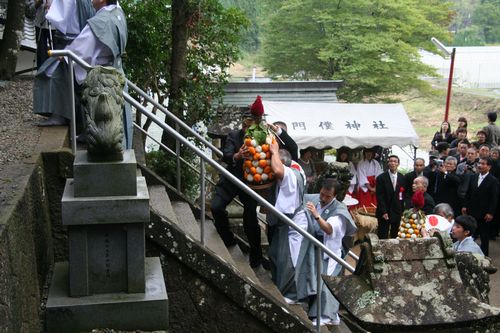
371, 45
487, 18
476, 22
166, 165
470, 36
250, 37
258, 132
214, 35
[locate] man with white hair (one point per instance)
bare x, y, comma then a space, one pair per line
291, 255
420, 184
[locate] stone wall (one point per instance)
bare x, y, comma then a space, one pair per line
25, 255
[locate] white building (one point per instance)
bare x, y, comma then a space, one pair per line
475, 66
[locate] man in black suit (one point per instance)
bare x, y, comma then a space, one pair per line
447, 183
390, 192
482, 200
234, 152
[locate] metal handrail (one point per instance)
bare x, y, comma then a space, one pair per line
174, 118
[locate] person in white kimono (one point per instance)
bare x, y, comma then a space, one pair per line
368, 170
51, 89
291, 255
334, 222
101, 42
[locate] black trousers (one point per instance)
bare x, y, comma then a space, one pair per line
225, 192
384, 225
484, 230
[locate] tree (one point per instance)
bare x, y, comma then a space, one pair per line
372, 45
11, 42
486, 17
182, 52
470, 36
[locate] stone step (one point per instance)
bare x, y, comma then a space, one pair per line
188, 223
241, 262
268, 284
160, 202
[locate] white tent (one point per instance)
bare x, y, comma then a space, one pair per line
323, 125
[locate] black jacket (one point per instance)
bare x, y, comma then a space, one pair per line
388, 199
288, 144
482, 200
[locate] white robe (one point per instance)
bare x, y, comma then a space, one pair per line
366, 169
89, 48
63, 16
287, 201
334, 241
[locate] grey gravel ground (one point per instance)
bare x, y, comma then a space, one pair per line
18, 135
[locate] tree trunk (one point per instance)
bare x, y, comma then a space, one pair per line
12, 36
181, 13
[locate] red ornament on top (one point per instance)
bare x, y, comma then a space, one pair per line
257, 107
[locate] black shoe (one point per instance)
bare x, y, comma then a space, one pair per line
255, 263
230, 242
256, 260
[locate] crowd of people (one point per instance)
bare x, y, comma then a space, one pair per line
460, 184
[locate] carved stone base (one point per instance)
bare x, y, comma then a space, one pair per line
119, 311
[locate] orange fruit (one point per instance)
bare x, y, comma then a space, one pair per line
408, 236
252, 150
271, 176
257, 178
265, 148
267, 169
268, 155
248, 142
262, 163
253, 170
248, 163
256, 156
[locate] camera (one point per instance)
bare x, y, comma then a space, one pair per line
438, 162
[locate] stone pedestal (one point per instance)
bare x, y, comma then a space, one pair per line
105, 208
121, 311
106, 239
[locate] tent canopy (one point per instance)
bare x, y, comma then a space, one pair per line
333, 125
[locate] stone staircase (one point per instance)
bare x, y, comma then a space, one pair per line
179, 215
